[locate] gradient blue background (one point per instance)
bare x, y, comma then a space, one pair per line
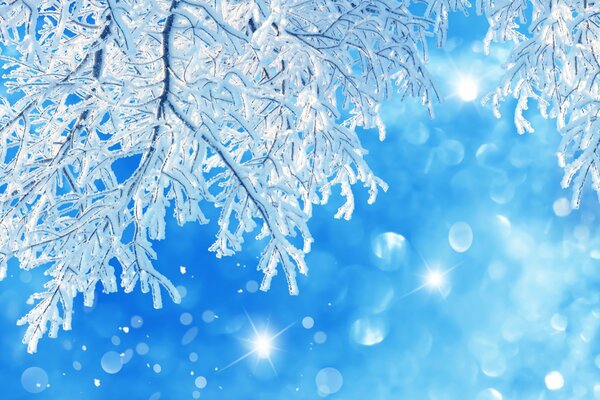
521, 302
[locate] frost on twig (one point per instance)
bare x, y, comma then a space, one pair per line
555, 63
233, 103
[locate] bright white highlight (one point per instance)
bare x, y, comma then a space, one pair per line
554, 380
434, 279
263, 346
467, 88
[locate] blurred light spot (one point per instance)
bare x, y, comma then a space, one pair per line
25, 276
186, 318
554, 380
182, 269
489, 155
460, 237
208, 316
520, 245
308, 322
503, 225
34, 380
97, 382
559, 322
496, 270
142, 348
329, 381
512, 329
111, 362
391, 250
126, 356
196, 394
182, 291
320, 337
200, 382
489, 394
251, 286
137, 321
451, 152
493, 364
466, 88
501, 190
416, 135
76, 365
562, 207
369, 331
115, 340
581, 232
157, 368
193, 356
189, 336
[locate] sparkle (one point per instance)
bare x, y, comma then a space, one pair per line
262, 345
467, 88
434, 279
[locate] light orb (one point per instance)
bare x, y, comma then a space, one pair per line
263, 346
467, 88
434, 279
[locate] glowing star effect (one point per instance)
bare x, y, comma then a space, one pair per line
434, 279
262, 345
467, 88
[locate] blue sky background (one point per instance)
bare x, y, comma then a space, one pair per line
510, 315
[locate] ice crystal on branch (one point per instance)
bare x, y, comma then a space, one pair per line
233, 103
556, 63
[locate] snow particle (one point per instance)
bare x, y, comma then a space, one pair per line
34, 380
554, 380
460, 237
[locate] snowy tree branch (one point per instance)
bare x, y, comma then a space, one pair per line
231, 103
